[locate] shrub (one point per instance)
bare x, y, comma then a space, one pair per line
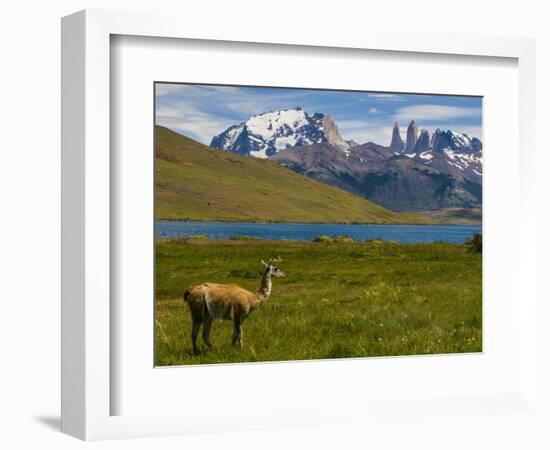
475, 244
334, 239
322, 239
343, 240
243, 238
374, 241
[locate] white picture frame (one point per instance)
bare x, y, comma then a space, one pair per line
86, 220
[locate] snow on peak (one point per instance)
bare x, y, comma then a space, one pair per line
265, 134
427, 155
267, 124
452, 140
460, 140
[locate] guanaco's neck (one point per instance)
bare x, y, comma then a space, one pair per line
265, 287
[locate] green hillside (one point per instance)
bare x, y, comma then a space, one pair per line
197, 182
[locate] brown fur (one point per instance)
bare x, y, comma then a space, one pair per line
211, 301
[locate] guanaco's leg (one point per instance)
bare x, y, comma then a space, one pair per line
237, 331
234, 336
194, 333
240, 335
198, 316
206, 330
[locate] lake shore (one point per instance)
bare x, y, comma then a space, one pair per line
320, 222
308, 232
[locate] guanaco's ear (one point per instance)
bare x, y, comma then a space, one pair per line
263, 262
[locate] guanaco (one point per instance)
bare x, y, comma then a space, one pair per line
211, 301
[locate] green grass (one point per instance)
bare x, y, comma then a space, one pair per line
338, 300
197, 182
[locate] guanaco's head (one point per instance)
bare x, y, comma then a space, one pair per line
271, 269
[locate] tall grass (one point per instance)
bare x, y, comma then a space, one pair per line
346, 299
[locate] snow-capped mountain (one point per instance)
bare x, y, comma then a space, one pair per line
424, 172
456, 142
443, 150
396, 180
265, 134
439, 141
469, 164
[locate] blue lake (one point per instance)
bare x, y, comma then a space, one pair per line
307, 232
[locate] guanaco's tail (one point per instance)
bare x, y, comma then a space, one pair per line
186, 295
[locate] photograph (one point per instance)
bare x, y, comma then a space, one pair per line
298, 224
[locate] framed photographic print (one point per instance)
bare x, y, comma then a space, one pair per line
312, 214
377, 233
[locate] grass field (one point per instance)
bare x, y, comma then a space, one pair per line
339, 299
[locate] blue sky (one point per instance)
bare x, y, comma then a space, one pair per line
203, 111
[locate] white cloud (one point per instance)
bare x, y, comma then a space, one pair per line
189, 109
387, 97
193, 123
167, 112
203, 111
363, 131
166, 89
192, 90
379, 133
200, 131
248, 106
434, 113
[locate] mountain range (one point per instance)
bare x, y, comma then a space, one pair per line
197, 182
424, 172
